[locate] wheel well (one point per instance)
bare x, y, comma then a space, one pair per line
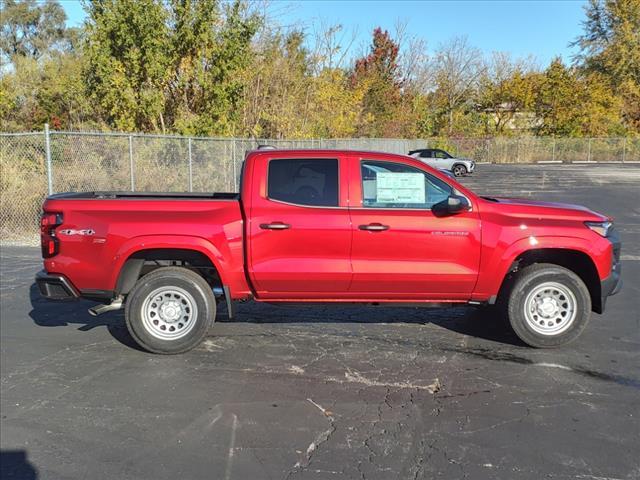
144, 261
578, 262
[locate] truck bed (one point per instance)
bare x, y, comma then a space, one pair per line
101, 230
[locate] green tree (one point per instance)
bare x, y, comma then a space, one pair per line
506, 95
557, 102
209, 51
155, 65
127, 61
31, 29
610, 45
603, 109
334, 106
570, 104
611, 40
277, 100
43, 83
51, 91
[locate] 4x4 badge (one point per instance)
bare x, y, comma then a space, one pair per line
71, 231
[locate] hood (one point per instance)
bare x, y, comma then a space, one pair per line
535, 208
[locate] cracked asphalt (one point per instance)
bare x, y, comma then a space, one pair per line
331, 392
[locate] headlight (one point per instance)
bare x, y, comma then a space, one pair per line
601, 228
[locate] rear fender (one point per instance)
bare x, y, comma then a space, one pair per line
185, 242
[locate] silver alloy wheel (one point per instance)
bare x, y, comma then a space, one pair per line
169, 313
459, 170
550, 308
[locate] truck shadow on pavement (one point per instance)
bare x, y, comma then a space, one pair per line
482, 323
479, 322
46, 313
15, 464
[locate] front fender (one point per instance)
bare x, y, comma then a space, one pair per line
495, 266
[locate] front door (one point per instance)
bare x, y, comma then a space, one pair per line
300, 231
400, 248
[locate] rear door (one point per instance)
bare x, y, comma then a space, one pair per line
400, 248
428, 157
299, 227
443, 159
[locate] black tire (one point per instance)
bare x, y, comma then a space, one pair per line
459, 170
194, 289
525, 284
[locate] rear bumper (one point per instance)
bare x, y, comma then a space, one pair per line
54, 286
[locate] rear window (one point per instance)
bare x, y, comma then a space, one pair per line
305, 181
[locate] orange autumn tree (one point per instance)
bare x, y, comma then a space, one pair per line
380, 76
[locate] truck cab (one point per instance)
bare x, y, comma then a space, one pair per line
327, 226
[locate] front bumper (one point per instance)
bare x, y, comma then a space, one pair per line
54, 286
613, 283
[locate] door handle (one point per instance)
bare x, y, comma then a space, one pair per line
374, 227
275, 226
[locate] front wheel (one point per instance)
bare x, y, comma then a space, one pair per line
170, 310
459, 170
548, 306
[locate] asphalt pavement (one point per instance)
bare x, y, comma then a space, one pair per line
331, 392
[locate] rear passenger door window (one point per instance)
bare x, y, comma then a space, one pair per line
304, 181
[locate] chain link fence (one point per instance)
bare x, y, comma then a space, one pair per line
33, 165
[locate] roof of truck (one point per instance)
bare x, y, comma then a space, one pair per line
320, 151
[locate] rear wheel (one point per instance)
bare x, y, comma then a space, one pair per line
170, 310
459, 170
548, 306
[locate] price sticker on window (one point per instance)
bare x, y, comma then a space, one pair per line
395, 187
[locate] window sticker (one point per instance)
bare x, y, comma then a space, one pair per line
395, 187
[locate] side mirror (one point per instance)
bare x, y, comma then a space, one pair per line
450, 206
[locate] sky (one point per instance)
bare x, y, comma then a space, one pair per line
542, 29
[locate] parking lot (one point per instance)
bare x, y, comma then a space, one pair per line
332, 392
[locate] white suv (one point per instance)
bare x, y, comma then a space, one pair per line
437, 158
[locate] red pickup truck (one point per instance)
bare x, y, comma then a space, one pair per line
327, 226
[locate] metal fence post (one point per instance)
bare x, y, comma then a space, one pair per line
131, 171
553, 155
589, 151
624, 149
233, 158
487, 155
47, 149
190, 167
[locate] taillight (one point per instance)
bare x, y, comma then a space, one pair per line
48, 240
